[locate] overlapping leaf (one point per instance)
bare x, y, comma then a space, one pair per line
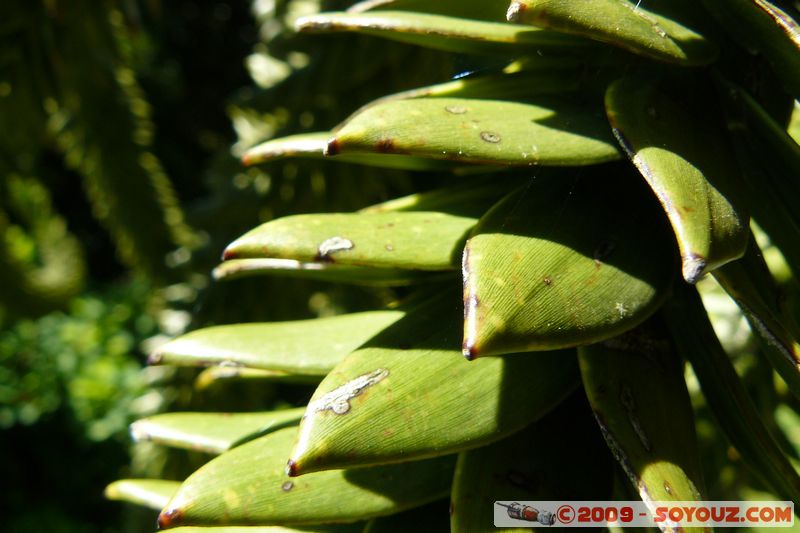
301, 347
450, 34
211, 432
687, 164
634, 384
634, 27
564, 262
408, 394
248, 486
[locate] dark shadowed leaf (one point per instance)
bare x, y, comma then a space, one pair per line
562, 456
686, 162
431, 517
762, 27
634, 384
249, 486
770, 163
407, 394
564, 262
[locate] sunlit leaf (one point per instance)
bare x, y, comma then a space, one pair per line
249, 486
299, 347
548, 131
415, 240
407, 394
151, 493
686, 162
211, 432
632, 26
564, 262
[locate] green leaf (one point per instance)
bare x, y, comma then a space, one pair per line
770, 162
407, 394
299, 347
414, 240
564, 262
726, 396
314, 145
560, 456
763, 28
492, 10
450, 34
550, 131
211, 432
151, 493
620, 23
634, 383
248, 485
686, 163
241, 268
749, 283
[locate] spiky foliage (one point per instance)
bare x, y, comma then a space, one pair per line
604, 158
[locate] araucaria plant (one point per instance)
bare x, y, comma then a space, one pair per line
599, 159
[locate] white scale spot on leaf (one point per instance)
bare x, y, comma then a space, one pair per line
338, 400
333, 245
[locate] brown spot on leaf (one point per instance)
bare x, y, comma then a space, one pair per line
547, 280
229, 254
169, 518
286, 487
667, 487
385, 146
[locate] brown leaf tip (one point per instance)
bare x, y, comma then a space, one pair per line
155, 358
247, 160
229, 254
169, 518
292, 468
470, 352
332, 148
